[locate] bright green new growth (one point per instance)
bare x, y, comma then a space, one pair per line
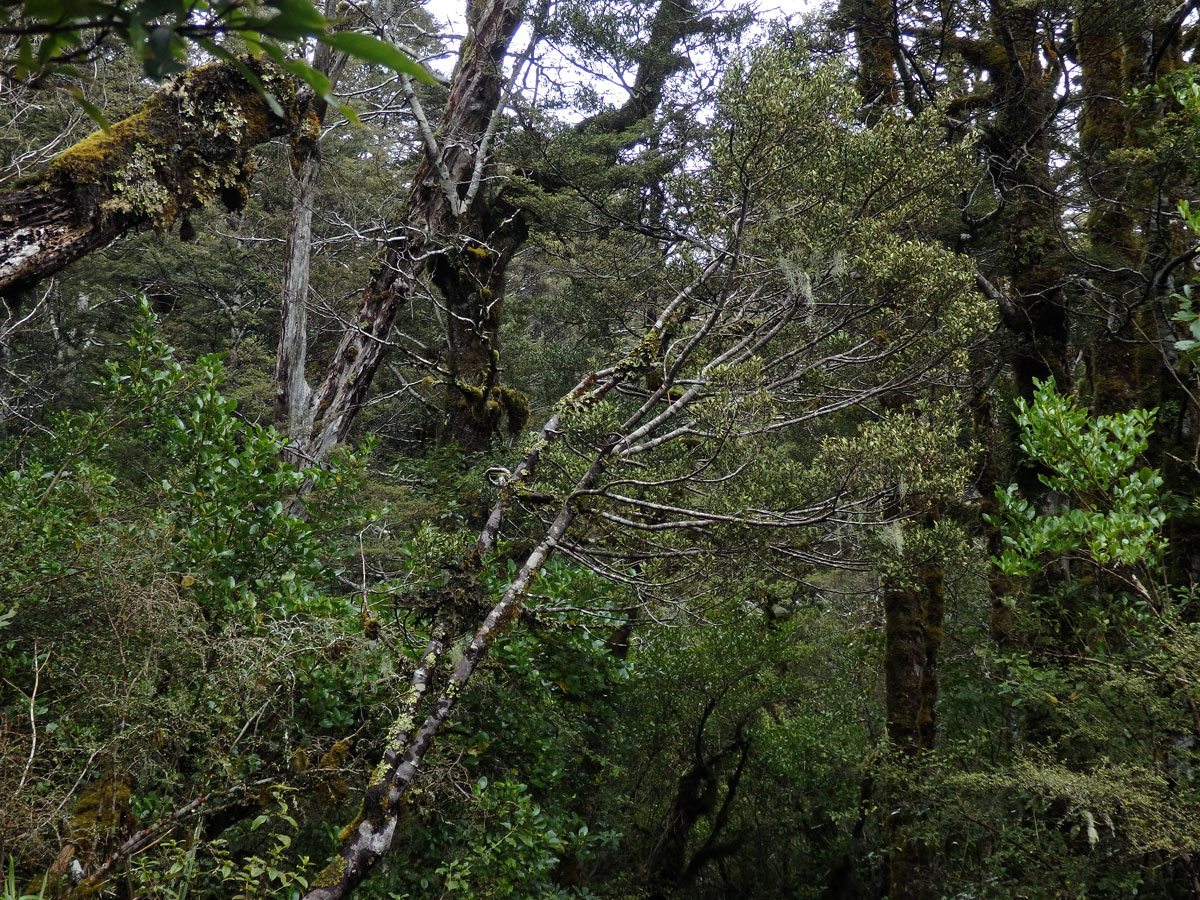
1110, 509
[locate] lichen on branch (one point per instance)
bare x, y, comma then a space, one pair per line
190, 143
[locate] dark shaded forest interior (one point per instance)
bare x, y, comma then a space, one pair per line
626, 450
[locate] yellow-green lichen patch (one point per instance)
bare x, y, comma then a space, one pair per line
188, 144
137, 190
331, 874
397, 734
352, 826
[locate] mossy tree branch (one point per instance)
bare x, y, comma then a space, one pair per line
370, 834
189, 143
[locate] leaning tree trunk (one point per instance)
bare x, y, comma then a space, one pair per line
370, 834
188, 144
464, 234
437, 209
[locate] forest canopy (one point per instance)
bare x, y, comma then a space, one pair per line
677, 451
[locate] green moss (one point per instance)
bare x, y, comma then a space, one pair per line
187, 145
89, 158
352, 826
371, 626
994, 57
101, 807
331, 874
967, 102
336, 756
469, 392
299, 761
516, 409
331, 789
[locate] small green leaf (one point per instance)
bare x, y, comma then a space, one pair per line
315, 79
25, 62
92, 110
163, 48
296, 19
369, 48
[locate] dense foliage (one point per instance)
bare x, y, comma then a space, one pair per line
683, 455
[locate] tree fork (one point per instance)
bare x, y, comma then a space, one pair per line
436, 214
188, 144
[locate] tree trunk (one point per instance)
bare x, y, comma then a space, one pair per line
465, 235
472, 280
293, 410
292, 393
698, 795
1020, 160
188, 144
872, 25
914, 609
436, 213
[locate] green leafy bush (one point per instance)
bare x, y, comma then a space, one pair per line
1110, 513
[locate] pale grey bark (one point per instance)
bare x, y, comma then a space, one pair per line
293, 408
293, 412
371, 834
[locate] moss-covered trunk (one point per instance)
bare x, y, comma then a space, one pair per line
188, 144
872, 25
437, 215
472, 280
914, 609
1019, 148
